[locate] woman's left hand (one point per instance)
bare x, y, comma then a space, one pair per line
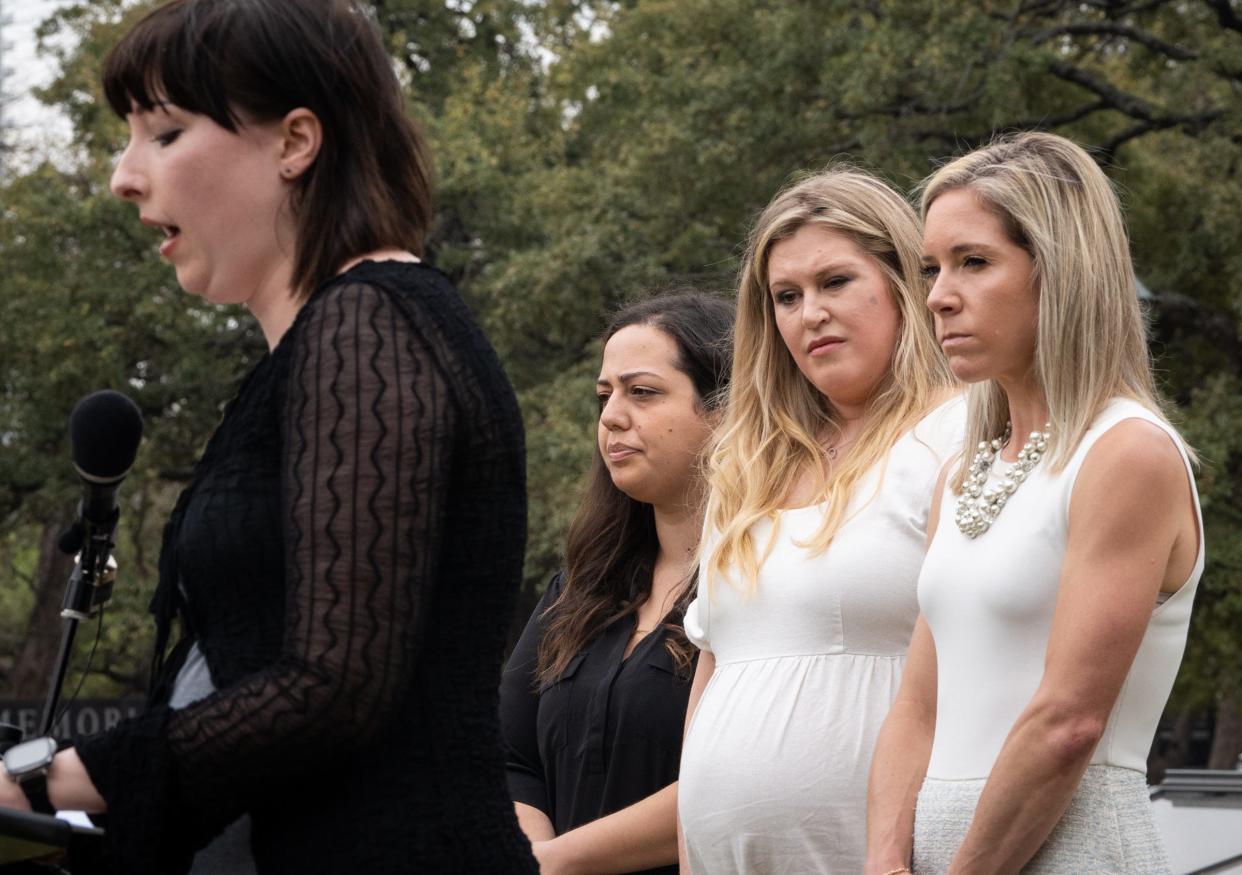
69, 787
11, 795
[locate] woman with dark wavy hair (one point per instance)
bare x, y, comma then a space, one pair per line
594, 697
344, 558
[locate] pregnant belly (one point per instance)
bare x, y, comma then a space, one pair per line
778, 753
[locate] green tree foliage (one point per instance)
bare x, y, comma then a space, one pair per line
587, 151
637, 155
85, 304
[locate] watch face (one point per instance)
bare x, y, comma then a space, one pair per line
28, 755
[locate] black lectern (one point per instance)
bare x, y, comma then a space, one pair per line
26, 837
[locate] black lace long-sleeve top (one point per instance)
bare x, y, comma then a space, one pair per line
346, 558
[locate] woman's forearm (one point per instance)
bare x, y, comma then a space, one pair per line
641, 836
1028, 790
899, 762
537, 826
69, 787
897, 770
683, 856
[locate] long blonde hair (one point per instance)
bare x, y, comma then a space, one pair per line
774, 414
1091, 341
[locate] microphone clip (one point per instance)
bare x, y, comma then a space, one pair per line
90, 586
71, 539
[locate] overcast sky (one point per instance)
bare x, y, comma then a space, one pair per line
32, 125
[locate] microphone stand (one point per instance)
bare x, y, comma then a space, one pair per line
34, 843
89, 589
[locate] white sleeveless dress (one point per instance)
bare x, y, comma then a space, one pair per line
989, 604
775, 762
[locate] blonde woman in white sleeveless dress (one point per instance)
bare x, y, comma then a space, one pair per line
1057, 589
838, 422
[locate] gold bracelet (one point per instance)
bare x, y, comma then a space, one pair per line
904, 870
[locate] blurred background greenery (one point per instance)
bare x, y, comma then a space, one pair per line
587, 152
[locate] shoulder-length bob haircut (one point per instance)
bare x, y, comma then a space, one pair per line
611, 549
240, 62
775, 417
1091, 342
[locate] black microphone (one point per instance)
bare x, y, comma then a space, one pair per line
105, 429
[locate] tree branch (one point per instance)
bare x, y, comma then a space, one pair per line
175, 475
1045, 123
912, 107
1145, 7
1049, 122
1116, 9
1038, 7
135, 682
1132, 106
1124, 31
1110, 146
1107, 152
1135, 107
1225, 15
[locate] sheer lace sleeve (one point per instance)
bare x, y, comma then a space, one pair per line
367, 438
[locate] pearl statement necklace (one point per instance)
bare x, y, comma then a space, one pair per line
978, 508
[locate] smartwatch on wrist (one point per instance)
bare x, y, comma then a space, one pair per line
27, 764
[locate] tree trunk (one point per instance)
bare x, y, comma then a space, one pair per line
32, 665
1179, 754
1227, 740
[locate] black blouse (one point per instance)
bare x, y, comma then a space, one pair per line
345, 556
606, 734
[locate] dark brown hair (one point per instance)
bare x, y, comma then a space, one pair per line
611, 549
239, 61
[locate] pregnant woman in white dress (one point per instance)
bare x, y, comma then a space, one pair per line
839, 418
1057, 589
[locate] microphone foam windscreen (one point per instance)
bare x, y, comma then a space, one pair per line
105, 428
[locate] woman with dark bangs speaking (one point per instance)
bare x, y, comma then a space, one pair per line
343, 563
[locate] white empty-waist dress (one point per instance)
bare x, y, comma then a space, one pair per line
775, 761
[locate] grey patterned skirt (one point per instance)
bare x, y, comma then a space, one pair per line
1108, 827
